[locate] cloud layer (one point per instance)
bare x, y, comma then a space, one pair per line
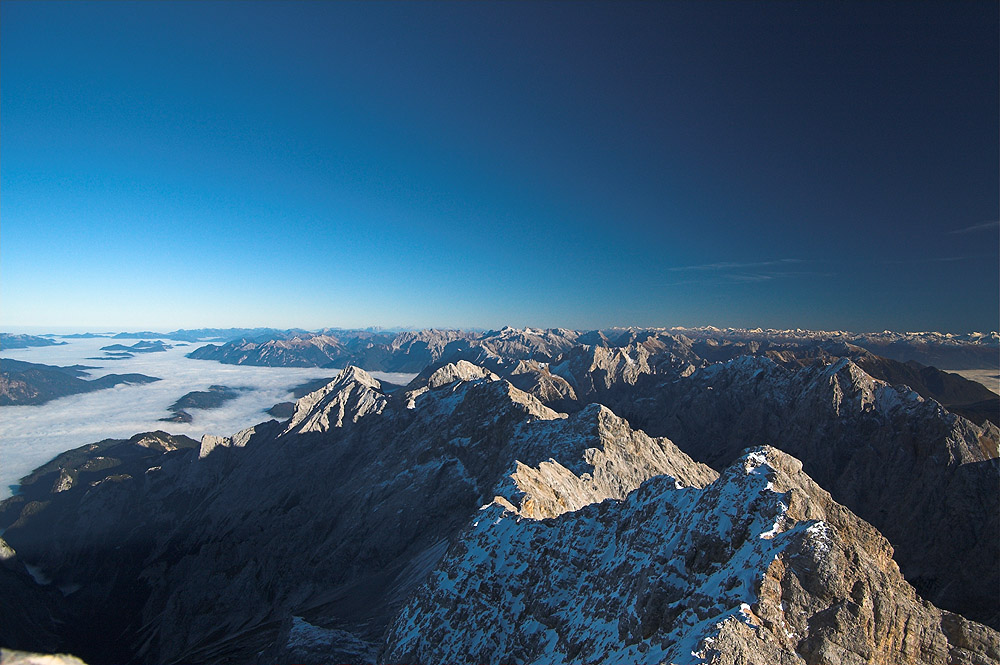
32, 435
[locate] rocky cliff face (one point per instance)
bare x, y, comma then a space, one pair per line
878, 447
582, 477
903, 463
760, 567
354, 394
960, 396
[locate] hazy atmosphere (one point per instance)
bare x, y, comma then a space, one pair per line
821, 165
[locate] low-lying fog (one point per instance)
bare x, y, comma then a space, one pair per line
32, 435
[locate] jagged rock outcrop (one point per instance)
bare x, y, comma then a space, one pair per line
959, 395
390, 352
406, 351
460, 371
529, 343
929, 480
531, 376
625, 459
411, 351
445, 374
760, 567
300, 351
536, 378
211, 442
597, 369
353, 395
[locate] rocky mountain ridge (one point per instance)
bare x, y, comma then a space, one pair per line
945, 350
877, 448
566, 368
411, 351
772, 571
363, 488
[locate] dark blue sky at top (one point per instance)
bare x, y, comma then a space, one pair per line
823, 165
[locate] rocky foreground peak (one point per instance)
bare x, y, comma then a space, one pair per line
595, 455
760, 567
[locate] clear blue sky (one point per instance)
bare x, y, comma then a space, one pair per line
189, 164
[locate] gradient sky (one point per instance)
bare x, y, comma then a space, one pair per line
183, 164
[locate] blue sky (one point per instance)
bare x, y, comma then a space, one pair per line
315, 164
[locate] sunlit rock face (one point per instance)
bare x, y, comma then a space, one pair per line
899, 461
8, 657
761, 566
353, 395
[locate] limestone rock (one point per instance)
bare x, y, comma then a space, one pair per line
8, 657
929, 480
460, 371
576, 476
353, 395
210, 442
759, 567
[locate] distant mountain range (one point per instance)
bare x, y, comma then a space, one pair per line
388, 352
9, 341
551, 363
202, 334
404, 351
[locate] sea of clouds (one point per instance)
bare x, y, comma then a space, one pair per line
32, 435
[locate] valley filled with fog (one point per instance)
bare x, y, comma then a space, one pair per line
32, 435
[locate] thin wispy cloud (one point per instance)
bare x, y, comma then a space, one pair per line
947, 259
730, 265
930, 259
750, 279
736, 272
985, 226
